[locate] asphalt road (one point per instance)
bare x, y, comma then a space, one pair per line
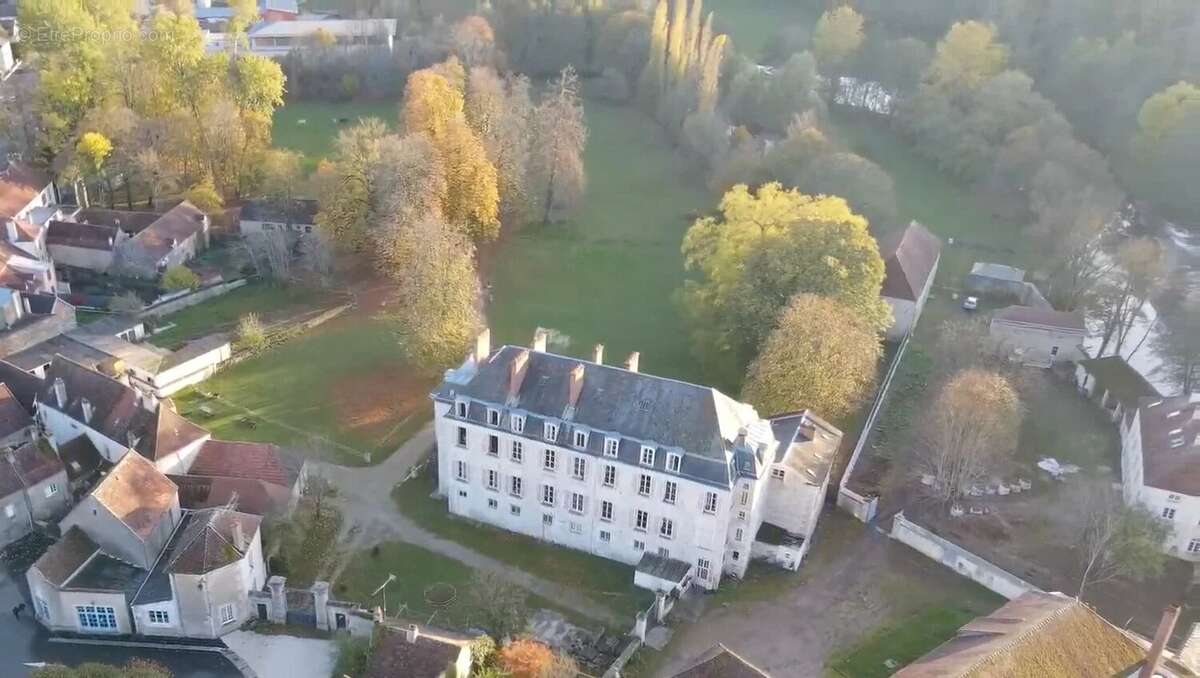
24, 642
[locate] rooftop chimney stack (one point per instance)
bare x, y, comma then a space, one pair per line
598, 354
539, 340
516, 375
631, 363
60, 392
576, 386
1165, 627
87, 409
483, 346
411, 633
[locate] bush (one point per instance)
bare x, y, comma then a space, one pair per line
353, 655
180, 278
128, 303
251, 335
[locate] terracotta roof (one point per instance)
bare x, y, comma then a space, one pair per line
909, 258
27, 232
173, 227
1028, 315
24, 385
206, 540
257, 461
1035, 635
13, 416
10, 480
719, 662
66, 556
86, 236
243, 494
36, 462
116, 409
126, 220
170, 433
19, 185
137, 494
426, 658
1170, 431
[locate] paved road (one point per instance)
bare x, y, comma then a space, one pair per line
367, 503
25, 641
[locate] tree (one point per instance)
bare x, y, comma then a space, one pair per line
1178, 343
867, 188
1117, 540
472, 201
501, 605
529, 658
819, 357
282, 175
1138, 274
769, 102
654, 75
274, 254
128, 303
431, 103
837, 36
501, 114
180, 278
1166, 146
205, 197
559, 137
970, 429
474, 40
409, 178
967, 56
769, 246
434, 271
245, 13
136, 668
92, 150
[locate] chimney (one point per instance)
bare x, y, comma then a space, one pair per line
60, 392
598, 354
576, 386
411, 633
239, 535
516, 375
483, 346
87, 409
1165, 627
539, 340
631, 363
11, 226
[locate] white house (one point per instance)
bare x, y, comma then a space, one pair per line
910, 260
277, 38
1039, 336
1160, 467
670, 476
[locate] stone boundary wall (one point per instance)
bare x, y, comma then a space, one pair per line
173, 304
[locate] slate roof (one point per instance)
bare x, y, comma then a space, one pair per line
66, 556
10, 480
1039, 317
126, 220
426, 658
1165, 422
909, 257
45, 352
13, 416
116, 410
669, 569
1124, 383
1035, 634
137, 494
84, 236
205, 541
19, 185
243, 494
23, 385
169, 433
640, 408
255, 461
720, 662
105, 573
997, 271
298, 211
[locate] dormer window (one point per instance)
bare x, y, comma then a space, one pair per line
493, 417
610, 446
518, 423
550, 430
777, 473
1177, 442
647, 458
460, 409
581, 439
1175, 432
674, 462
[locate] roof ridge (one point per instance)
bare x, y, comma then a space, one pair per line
1019, 637
618, 368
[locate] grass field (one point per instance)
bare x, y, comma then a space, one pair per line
609, 275
314, 138
752, 23
607, 582
222, 314
903, 641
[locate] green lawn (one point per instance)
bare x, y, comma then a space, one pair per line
607, 582
610, 274
315, 137
222, 314
751, 23
903, 641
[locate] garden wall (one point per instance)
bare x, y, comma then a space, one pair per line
159, 309
959, 559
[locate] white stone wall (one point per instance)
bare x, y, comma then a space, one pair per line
1185, 519
63, 429
904, 314
959, 559
1036, 344
793, 502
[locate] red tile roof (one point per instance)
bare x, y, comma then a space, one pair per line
909, 258
258, 461
1170, 431
36, 462
13, 416
243, 494
137, 494
19, 185
170, 433
66, 556
427, 658
719, 662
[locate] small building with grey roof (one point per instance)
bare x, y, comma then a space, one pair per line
910, 259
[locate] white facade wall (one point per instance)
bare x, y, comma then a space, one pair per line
82, 257
793, 502
696, 534
1042, 345
904, 315
61, 605
1180, 511
141, 619
63, 429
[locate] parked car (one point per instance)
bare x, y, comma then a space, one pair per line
971, 303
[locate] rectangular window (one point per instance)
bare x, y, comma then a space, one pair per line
516, 486
710, 502
1194, 546
518, 423
666, 529
745, 497
494, 446
493, 479
647, 458
605, 536
551, 431
581, 439
96, 617
736, 556
610, 475
644, 485
549, 460
777, 474
737, 535
641, 521
547, 519
741, 515
514, 509
577, 502
664, 552
610, 446
1168, 513
462, 493
10, 510
462, 436
460, 408
576, 528
702, 569
492, 503
548, 495
579, 468
670, 490
493, 417
42, 607
674, 462
518, 451
460, 470
606, 511
51, 489
639, 545
227, 613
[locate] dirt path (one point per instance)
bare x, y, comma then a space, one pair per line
367, 505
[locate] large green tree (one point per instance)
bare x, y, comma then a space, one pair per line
836, 37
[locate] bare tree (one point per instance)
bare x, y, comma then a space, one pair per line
559, 134
500, 112
1138, 274
969, 430
317, 259
501, 605
273, 251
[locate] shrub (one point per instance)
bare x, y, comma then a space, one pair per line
128, 303
353, 655
180, 278
251, 335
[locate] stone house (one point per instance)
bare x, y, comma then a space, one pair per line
172, 239
17, 427
625, 465
33, 488
298, 216
257, 478
83, 245
28, 200
1037, 336
910, 259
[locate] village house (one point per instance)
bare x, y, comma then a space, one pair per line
1160, 467
294, 216
675, 478
416, 653
257, 478
33, 489
1038, 336
910, 259
1114, 385
172, 239
28, 200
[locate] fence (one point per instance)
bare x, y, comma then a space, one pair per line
848, 500
171, 303
959, 559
